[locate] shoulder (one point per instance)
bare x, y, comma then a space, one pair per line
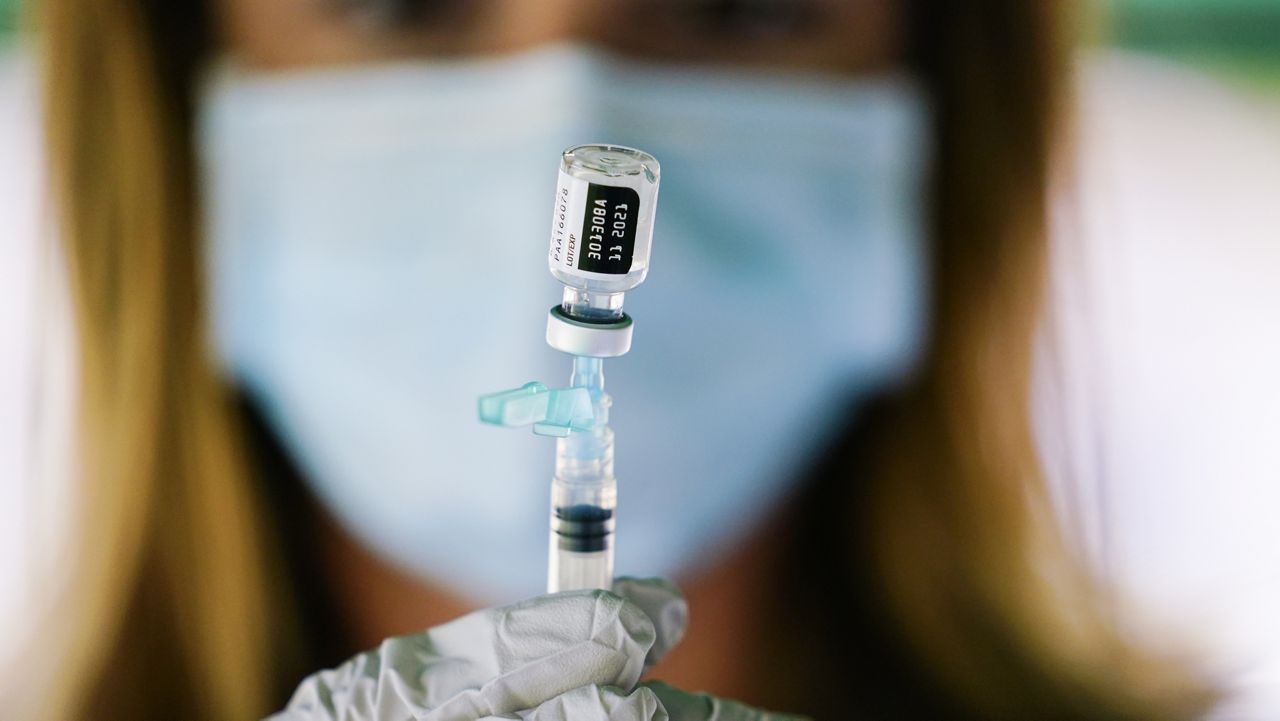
20, 146
36, 360
1166, 250
20, 208
1172, 214
19, 120
1197, 154
21, 179
1162, 389
1171, 221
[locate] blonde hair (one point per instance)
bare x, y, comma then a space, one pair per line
178, 613
172, 601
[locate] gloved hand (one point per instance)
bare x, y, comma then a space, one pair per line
575, 655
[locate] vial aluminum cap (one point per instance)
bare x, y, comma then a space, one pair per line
585, 338
602, 220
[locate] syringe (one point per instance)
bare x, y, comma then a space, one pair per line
584, 493
601, 234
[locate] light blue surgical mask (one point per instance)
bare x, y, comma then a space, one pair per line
377, 261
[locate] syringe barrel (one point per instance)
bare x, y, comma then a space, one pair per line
582, 525
584, 497
575, 570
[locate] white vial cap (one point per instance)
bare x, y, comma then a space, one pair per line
586, 338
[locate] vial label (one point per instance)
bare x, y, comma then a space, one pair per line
593, 228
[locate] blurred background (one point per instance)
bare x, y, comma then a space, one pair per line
1234, 41
1238, 40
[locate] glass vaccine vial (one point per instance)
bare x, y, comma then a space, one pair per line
602, 227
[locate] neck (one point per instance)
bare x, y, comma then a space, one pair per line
377, 600
730, 602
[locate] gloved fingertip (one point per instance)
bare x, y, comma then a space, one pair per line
685, 706
599, 703
652, 585
681, 705
663, 603
648, 705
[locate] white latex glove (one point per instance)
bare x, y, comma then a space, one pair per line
575, 655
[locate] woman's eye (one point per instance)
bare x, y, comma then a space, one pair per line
734, 31
401, 14
751, 20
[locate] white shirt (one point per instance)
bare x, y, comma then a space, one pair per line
19, 201
1157, 395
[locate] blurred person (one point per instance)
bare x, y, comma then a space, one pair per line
301, 237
